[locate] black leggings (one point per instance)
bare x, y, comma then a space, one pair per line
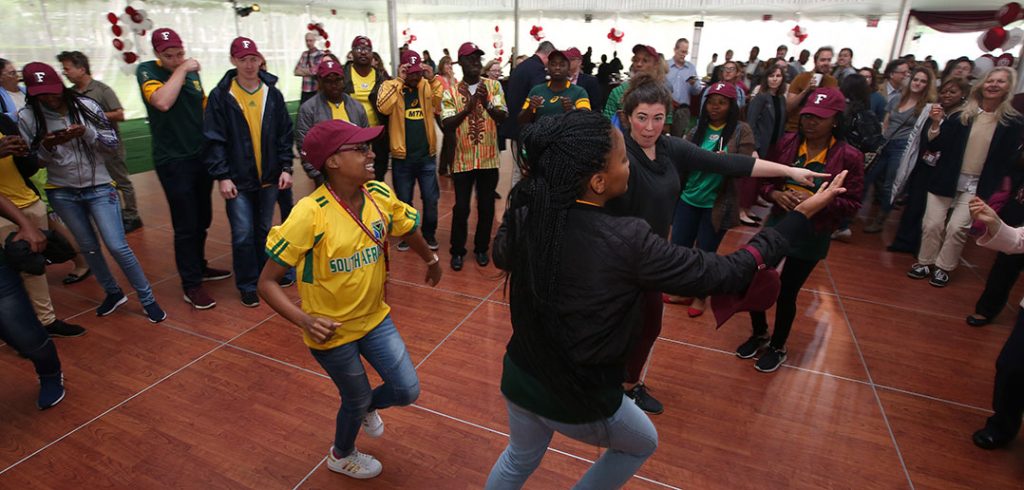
794, 274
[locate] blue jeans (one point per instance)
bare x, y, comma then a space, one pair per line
20, 328
693, 225
628, 434
100, 205
882, 173
405, 174
384, 349
250, 213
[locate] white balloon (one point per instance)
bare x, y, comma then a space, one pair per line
147, 24
127, 69
1013, 38
125, 19
127, 45
982, 66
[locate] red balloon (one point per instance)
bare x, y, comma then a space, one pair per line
130, 10
495, 28
112, 17
309, 26
116, 30
412, 38
327, 44
137, 18
142, 32
994, 38
334, 11
130, 57
118, 44
1010, 12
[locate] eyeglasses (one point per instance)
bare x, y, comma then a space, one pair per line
730, 68
363, 148
362, 49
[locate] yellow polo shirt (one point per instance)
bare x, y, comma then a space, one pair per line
252, 108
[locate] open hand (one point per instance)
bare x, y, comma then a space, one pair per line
982, 212
804, 176
825, 195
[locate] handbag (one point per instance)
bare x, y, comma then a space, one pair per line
760, 295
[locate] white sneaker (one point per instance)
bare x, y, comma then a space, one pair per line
373, 426
356, 465
843, 235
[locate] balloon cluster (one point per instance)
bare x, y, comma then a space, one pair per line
1000, 38
134, 21
537, 32
986, 62
797, 34
408, 35
499, 46
319, 29
615, 35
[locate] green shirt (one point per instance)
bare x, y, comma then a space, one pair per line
552, 100
702, 187
416, 144
614, 103
177, 133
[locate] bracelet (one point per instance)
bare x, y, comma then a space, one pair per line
435, 260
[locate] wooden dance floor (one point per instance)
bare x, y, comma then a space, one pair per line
884, 385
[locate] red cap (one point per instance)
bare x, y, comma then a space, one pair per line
469, 49
573, 54
242, 47
760, 294
329, 66
726, 90
164, 38
41, 78
824, 102
558, 53
649, 49
362, 41
413, 59
326, 137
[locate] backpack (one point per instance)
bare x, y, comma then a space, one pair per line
865, 132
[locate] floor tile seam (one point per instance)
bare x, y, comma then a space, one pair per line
126, 400
304, 479
871, 381
457, 326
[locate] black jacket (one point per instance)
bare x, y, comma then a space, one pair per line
27, 165
606, 263
589, 83
1001, 161
350, 89
524, 77
228, 152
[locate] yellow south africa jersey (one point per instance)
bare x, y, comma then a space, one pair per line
341, 271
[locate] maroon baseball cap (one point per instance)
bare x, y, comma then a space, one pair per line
164, 38
41, 79
362, 41
760, 295
242, 47
573, 54
413, 59
649, 49
329, 66
326, 137
726, 90
824, 102
469, 49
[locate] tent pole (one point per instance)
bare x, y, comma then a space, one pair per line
393, 35
901, 30
515, 40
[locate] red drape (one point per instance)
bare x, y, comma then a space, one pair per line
958, 20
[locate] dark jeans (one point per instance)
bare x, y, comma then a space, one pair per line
382, 153
908, 235
794, 274
406, 173
652, 308
485, 181
20, 328
250, 215
384, 349
1008, 393
883, 172
692, 225
1005, 270
188, 187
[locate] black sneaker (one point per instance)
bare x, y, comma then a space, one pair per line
456, 263
51, 391
60, 328
402, 246
432, 243
154, 312
919, 271
771, 360
644, 400
211, 274
749, 348
110, 303
285, 282
250, 299
482, 260
939, 278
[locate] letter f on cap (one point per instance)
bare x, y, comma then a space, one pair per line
39, 76
818, 98
166, 35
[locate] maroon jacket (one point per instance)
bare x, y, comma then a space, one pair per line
841, 156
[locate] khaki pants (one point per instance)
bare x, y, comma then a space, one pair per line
38, 290
942, 241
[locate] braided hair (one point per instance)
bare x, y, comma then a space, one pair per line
78, 113
732, 119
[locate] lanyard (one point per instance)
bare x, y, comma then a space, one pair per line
382, 243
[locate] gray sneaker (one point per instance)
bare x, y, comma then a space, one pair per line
939, 278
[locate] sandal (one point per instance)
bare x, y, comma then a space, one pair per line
73, 278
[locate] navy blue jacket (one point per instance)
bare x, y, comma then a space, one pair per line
589, 83
1001, 161
228, 152
524, 77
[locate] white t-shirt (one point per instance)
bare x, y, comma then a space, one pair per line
19, 99
472, 88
